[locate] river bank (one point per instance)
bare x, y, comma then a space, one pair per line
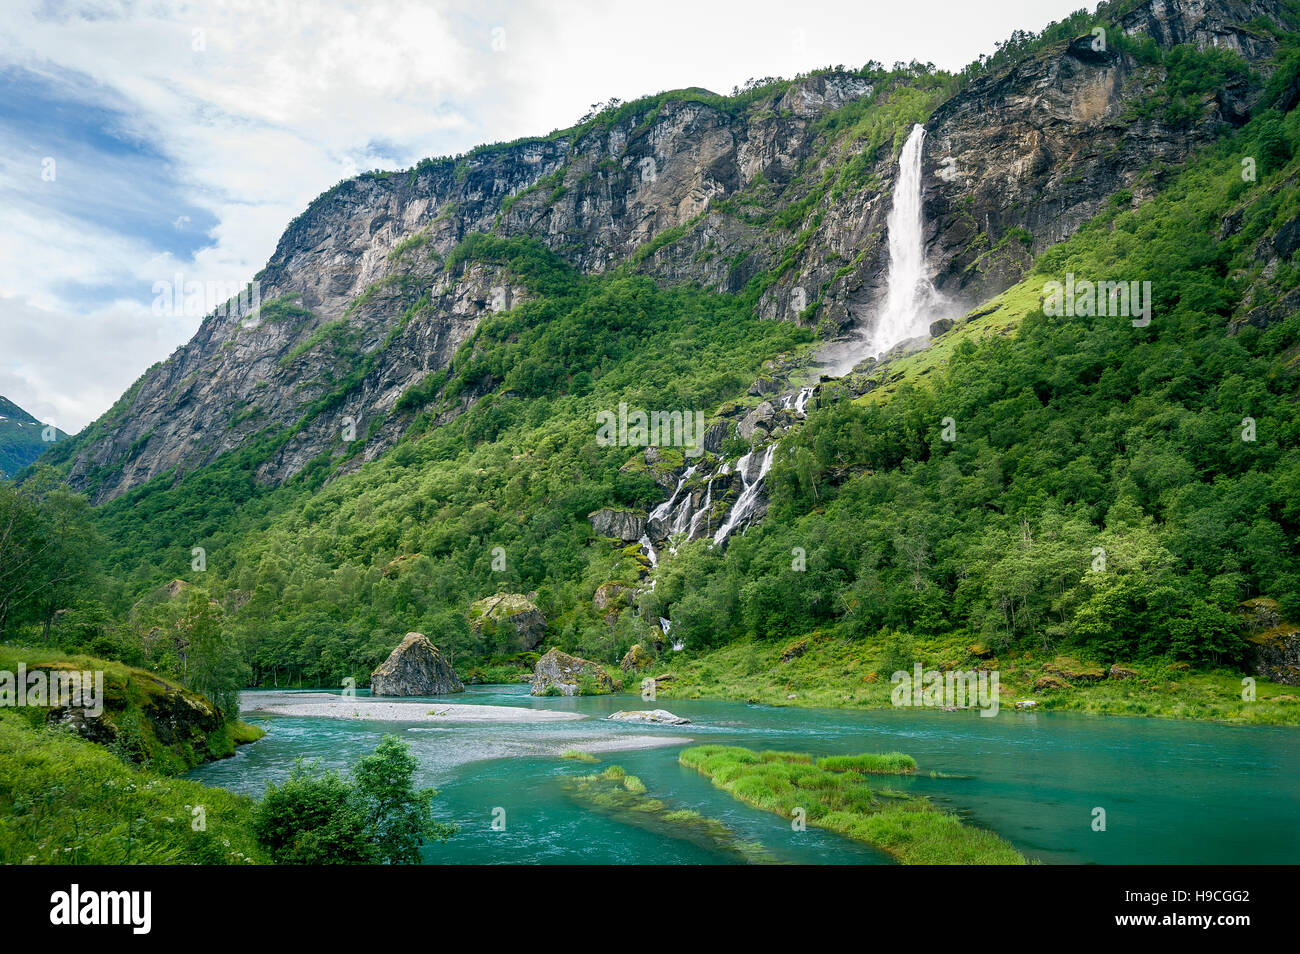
833, 674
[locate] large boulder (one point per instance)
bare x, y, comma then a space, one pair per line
559, 673
414, 668
636, 658
512, 614
625, 525
756, 420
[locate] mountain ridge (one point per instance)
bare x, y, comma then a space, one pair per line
778, 194
21, 438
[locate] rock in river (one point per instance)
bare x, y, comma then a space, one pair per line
415, 668
654, 716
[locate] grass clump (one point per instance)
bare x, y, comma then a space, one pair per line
576, 756
908, 827
889, 763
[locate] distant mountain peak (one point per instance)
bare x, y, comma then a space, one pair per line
21, 439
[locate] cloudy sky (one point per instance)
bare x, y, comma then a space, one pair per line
142, 141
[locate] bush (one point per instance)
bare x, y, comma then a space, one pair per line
377, 817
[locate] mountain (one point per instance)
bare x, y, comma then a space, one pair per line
20, 438
407, 420
779, 193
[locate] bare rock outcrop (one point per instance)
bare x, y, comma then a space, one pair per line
415, 668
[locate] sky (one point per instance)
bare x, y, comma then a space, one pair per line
147, 145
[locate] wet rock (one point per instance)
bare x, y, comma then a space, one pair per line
756, 419
649, 716
625, 525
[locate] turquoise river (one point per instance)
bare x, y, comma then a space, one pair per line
1173, 792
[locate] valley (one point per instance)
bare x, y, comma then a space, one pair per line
740, 406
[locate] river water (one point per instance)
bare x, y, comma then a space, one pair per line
1173, 792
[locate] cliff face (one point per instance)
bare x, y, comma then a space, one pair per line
779, 192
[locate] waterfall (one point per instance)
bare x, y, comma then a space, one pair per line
701, 515
910, 296
662, 511
649, 549
748, 501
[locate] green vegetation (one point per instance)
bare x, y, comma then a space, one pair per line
623, 797
284, 309
376, 817
67, 801
21, 438
890, 763
315, 584
836, 797
1074, 435
837, 672
147, 719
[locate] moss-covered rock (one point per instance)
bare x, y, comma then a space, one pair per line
558, 673
144, 717
636, 659
1274, 639
1049, 682
1074, 671
513, 616
415, 668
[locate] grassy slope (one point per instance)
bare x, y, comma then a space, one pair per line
20, 438
67, 801
835, 673
132, 698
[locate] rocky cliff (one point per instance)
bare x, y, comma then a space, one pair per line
780, 192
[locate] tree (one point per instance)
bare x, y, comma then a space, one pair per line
47, 550
398, 816
378, 816
313, 820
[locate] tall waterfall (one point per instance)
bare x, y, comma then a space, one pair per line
910, 298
